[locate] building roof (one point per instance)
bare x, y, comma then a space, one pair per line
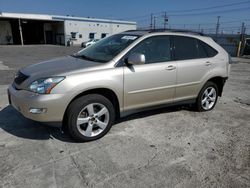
60, 18
55, 17
25, 16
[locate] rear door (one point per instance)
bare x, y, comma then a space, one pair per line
154, 82
193, 66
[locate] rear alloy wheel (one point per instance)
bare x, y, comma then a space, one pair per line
90, 117
207, 97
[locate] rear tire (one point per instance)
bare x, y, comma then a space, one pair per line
89, 117
207, 97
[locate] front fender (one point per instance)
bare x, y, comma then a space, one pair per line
76, 84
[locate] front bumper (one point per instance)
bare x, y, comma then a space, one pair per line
23, 101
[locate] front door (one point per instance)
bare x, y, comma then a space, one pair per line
154, 82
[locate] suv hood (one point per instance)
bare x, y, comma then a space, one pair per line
58, 66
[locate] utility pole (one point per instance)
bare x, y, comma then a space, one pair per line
154, 22
151, 21
243, 28
217, 25
165, 20
242, 38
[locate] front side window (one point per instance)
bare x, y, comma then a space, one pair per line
107, 48
185, 48
156, 49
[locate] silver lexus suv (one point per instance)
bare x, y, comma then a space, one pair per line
119, 75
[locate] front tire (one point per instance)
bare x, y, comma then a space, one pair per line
207, 97
90, 117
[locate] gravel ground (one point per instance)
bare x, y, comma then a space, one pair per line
172, 147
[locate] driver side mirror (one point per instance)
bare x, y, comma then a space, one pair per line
136, 59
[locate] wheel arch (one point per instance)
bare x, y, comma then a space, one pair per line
219, 81
108, 93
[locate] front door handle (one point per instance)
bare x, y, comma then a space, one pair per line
170, 67
208, 63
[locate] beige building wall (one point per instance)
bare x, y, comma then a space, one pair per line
84, 28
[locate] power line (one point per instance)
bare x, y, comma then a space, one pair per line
201, 24
207, 8
189, 10
142, 16
214, 12
211, 23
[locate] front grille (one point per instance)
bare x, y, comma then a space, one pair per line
20, 78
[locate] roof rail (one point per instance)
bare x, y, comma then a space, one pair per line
177, 31
168, 30
138, 30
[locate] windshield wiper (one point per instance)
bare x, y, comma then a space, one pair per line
88, 58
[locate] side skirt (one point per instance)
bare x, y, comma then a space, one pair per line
129, 112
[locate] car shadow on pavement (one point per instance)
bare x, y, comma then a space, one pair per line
153, 112
15, 124
12, 122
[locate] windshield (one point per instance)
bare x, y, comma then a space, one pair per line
106, 49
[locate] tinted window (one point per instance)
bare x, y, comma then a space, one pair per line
185, 48
208, 49
202, 50
155, 49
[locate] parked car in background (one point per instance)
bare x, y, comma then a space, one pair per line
246, 47
89, 42
122, 74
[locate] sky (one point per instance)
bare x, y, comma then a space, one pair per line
188, 14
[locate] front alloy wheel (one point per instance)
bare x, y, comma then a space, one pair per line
90, 117
93, 119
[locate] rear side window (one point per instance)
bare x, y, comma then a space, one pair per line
185, 48
202, 52
191, 48
205, 50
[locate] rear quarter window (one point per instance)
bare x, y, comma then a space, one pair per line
205, 49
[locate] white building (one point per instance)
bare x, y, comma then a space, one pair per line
18, 28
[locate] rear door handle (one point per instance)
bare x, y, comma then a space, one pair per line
208, 63
170, 67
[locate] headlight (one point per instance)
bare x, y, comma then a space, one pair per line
44, 86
